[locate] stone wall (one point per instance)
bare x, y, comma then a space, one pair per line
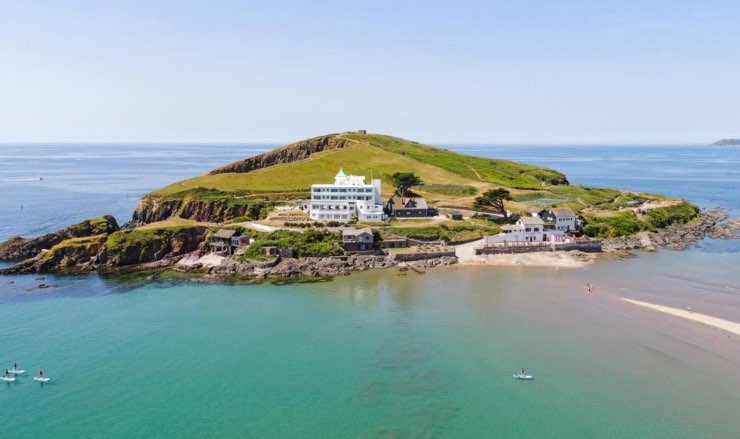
588, 247
408, 257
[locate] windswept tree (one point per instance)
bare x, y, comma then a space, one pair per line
404, 181
493, 199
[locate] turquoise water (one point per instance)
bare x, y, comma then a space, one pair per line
383, 354
371, 355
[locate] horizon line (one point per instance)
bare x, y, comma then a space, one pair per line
283, 143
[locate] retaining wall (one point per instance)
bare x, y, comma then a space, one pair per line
588, 247
408, 257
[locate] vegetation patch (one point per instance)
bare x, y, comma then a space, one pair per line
449, 190
74, 245
496, 171
312, 242
452, 232
663, 217
94, 226
620, 224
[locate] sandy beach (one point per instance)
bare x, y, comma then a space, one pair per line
466, 256
725, 325
550, 259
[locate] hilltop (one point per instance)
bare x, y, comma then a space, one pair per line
726, 142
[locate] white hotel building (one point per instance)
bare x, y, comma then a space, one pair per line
347, 198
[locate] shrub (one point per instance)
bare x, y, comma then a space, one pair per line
312, 242
663, 217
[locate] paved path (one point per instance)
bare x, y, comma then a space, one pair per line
466, 252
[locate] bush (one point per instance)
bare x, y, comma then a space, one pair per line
620, 224
312, 242
663, 217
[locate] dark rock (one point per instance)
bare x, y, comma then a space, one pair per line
22, 248
675, 237
287, 154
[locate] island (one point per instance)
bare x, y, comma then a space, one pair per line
332, 204
726, 142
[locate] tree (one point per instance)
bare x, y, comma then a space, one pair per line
493, 199
403, 181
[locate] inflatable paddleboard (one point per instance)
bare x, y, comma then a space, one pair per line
16, 372
8, 379
41, 379
523, 377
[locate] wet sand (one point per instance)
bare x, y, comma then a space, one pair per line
725, 325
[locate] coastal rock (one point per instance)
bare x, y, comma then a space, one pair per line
287, 154
151, 209
161, 248
727, 230
675, 237
22, 248
316, 267
162, 244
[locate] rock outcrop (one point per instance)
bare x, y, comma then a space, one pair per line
22, 248
150, 245
675, 237
122, 248
727, 230
316, 267
287, 154
152, 208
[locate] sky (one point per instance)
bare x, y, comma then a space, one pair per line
566, 71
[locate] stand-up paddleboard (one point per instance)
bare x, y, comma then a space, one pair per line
16, 371
8, 379
521, 376
41, 379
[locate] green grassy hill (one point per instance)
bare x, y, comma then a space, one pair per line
248, 189
379, 156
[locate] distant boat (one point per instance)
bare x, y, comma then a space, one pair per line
521, 376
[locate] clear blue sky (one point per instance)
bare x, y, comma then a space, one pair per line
454, 71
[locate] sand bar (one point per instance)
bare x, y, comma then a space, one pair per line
726, 325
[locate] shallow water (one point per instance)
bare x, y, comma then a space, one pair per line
378, 354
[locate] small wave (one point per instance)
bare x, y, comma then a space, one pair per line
19, 180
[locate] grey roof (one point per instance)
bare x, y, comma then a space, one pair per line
563, 212
403, 203
531, 220
356, 232
224, 233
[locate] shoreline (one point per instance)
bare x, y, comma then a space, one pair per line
557, 259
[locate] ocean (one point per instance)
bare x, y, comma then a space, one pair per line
377, 354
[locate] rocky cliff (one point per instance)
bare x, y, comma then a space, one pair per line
152, 208
126, 247
287, 154
22, 248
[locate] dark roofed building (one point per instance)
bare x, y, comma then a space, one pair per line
357, 240
411, 207
228, 242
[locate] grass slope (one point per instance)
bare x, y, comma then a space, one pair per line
501, 172
361, 159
